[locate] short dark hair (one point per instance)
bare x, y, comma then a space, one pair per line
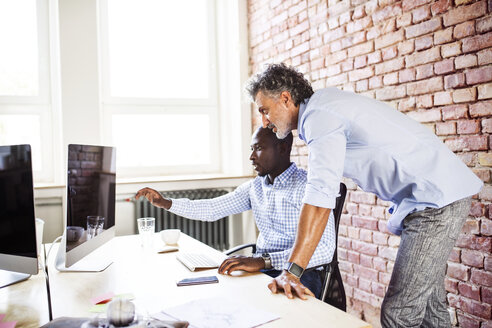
277, 78
288, 140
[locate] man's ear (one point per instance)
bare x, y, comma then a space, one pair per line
286, 97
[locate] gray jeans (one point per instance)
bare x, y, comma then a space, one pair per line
416, 296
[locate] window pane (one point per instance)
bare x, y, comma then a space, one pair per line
23, 129
19, 44
161, 140
158, 49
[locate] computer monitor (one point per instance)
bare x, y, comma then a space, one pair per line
90, 217
18, 253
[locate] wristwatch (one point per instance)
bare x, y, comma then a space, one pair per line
268, 260
295, 269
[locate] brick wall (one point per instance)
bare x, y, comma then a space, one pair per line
429, 59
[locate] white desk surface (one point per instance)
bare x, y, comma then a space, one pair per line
152, 277
26, 302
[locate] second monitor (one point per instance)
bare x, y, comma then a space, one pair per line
90, 220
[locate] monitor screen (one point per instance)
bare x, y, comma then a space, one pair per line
90, 193
17, 221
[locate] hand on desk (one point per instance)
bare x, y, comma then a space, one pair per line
240, 262
154, 197
290, 285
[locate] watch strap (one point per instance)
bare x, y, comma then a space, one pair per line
268, 260
295, 269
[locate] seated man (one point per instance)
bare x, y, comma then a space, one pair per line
275, 196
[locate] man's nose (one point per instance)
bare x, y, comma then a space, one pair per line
265, 121
252, 156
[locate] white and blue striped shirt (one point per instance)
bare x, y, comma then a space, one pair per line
276, 210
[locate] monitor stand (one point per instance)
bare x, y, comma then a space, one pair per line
8, 277
87, 264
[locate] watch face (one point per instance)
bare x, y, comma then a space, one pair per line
296, 270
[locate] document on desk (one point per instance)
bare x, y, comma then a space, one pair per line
218, 313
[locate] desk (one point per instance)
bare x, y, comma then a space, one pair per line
152, 277
26, 302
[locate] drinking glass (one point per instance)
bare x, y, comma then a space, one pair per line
146, 229
95, 225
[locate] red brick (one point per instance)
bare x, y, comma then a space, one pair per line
388, 253
423, 28
365, 285
406, 104
484, 57
467, 143
374, 57
482, 174
481, 108
353, 232
420, 14
477, 42
444, 66
464, 13
479, 75
348, 65
455, 112
423, 57
391, 92
424, 42
407, 75
378, 289
464, 29
472, 258
360, 74
451, 285
487, 295
455, 255
443, 36
464, 95
406, 47
484, 24
337, 79
485, 159
451, 49
445, 128
408, 5
384, 277
454, 81
361, 49
466, 321
465, 61
486, 228
475, 308
387, 12
375, 82
425, 71
442, 98
389, 39
353, 257
380, 264
389, 53
476, 243
344, 243
439, 7
366, 273
360, 61
477, 209
425, 86
390, 79
366, 261
424, 101
424, 116
468, 127
485, 91
367, 223
346, 267
468, 290
458, 271
486, 192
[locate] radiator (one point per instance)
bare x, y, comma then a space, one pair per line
214, 234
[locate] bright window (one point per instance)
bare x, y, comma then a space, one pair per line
25, 105
159, 79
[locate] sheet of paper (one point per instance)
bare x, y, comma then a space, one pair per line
220, 313
10, 324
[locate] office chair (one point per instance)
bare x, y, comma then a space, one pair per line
333, 291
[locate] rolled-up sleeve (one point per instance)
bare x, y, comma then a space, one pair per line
325, 135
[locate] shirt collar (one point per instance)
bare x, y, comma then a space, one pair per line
284, 177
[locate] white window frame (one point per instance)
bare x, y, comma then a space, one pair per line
45, 104
151, 106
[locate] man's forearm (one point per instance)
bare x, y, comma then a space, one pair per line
312, 223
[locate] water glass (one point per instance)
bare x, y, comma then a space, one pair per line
95, 226
146, 229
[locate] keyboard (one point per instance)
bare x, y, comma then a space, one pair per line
195, 261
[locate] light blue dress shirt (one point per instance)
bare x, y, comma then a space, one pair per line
384, 151
276, 209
